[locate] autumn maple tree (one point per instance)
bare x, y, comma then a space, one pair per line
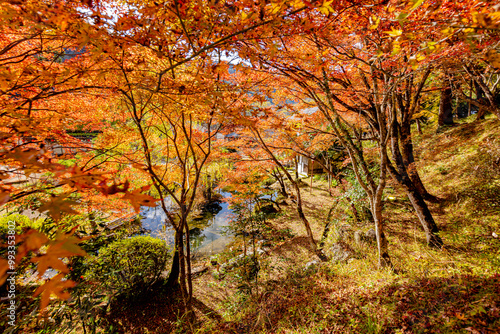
153, 79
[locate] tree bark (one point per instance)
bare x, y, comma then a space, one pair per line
376, 206
173, 277
383, 254
445, 116
277, 175
421, 208
401, 176
409, 160
419, 129
304, 220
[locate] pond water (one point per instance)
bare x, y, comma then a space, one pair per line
209, 233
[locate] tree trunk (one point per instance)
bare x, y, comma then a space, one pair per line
173, 277
304, 220
277, 175
383, 254
445, 106
376, 208
295, 183
409, 161
419, 129
188, 265
296, 168
401, 176
311, 184
481, 112
421, 208
425, 217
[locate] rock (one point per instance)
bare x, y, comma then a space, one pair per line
267, 209
239, 260
311, 265
371, 235
212, 207
344, 232
197, 271
368, 236
340, 252
358, 237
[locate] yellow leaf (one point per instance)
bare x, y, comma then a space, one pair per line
375, 21
64, 24
394, 32
396, 48
493, 57
417, 3
297, 4
324, 10
275, 8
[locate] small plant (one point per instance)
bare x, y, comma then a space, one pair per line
129, 266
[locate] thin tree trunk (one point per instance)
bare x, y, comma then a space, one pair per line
296, 168
329, 178
419, 129
277, 175
307, 225
311, 184
424, 215
481, 112
376, 205
383, 254
188, 263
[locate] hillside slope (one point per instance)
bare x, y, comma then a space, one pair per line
453, 290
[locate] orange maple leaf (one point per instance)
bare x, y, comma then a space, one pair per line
31, 240
64, 246
57, 205
137, 199
54, 286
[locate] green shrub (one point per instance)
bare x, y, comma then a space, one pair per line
130, 266
22, 223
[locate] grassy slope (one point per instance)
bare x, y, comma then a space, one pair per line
455, 290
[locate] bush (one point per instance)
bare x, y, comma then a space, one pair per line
130, 266
22, 223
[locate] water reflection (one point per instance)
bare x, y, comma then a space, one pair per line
207, 232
